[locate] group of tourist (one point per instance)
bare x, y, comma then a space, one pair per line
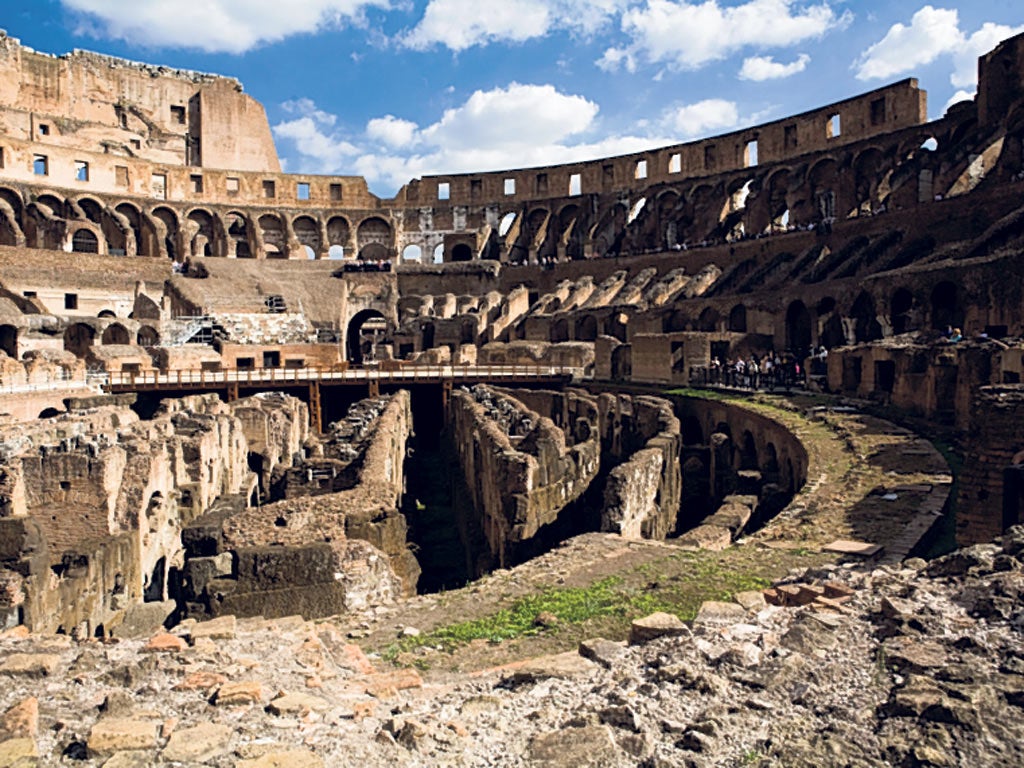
368, 265
751, 372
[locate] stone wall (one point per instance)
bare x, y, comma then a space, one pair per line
988, 502
314, 555
93, 502
522, 469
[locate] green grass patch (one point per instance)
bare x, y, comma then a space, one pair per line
678, 585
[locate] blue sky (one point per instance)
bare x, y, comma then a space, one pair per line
394, 89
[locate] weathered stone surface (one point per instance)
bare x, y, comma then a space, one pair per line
294, 703
296, 758
201, 681
199, 744
590, 747
387, 684
111, 735
19, 753
562, 666
601, 651
143, 619
21, 721
165, 643
234, 694
221, 628
713, 613
30, 664
654, 626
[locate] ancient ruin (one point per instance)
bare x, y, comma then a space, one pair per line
258, 425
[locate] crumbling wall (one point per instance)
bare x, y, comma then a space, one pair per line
521, 468
314, 555
92, 503
988, 501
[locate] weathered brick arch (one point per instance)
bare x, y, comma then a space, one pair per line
274, 236
201, 226
374, 239
240, 231
569, 232
12, 212
116, 333
166, 225
308, 234
824, 195
339, 235
606, 235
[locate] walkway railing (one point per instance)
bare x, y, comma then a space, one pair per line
43, 386
291, 376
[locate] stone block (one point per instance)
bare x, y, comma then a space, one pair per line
590, 747
297, 758
221, 628
714, 613
204, 742
654, 626
19, 753
235, 694
297, 703
117, 735
30, 664
143, 619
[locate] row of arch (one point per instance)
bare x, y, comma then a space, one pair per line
87, 225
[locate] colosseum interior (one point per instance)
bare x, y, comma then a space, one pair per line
247, 413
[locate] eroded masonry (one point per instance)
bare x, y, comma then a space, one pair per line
231, 390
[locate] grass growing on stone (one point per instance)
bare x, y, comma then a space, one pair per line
613, 601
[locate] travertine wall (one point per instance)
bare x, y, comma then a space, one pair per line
93, 503
520, 481
314, 555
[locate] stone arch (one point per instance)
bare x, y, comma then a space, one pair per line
559, 330
823, 186
676, 320
148, 336
709, 320
738, 319
132, 217
746, 451
777, 188
237, 226
275, 239
798, 329
201, 227
307, 232
946, 306
12, 221
84, 240
865, 320
570, 235
462, 252
168, 217
365, 330
830, 324
338, 233
606, 236
9, 341
586, 328
692, 432
115, 333
901, 306
869, 173
373, 239
92, 208
412, 252
617, 326
78, 338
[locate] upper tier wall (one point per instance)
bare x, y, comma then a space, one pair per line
89, 102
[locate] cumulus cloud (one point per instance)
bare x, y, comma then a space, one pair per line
688, 35
760, 68
392, 131
462, 24
932, 33
222, 26
703, 117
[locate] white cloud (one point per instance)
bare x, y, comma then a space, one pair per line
392, 131
485, 133
462, 24
690, 35
957, 97
760, 68
231, 26
703, 117
933, 33
965, 58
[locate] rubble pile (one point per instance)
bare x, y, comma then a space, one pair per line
913, 664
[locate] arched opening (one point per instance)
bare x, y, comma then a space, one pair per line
307, 232
49, 413
439, 254
708, 320
366, 330
134, 219
148, 336
798, 329
462, 252
428, 335
946, 307
865, 320
201, 222
747, 452
675, 321
586, 328
692, 432
78, 338
238, 233
116, 334
274, 240
85, 241
899, 311
169, 219
559, 330
616, 326
338, 233
412, 253
738, 319
9, 341
374, 239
